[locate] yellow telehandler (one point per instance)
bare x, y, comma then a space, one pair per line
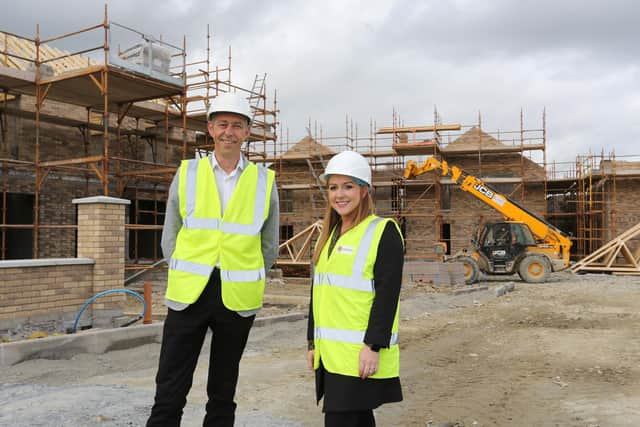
523, 243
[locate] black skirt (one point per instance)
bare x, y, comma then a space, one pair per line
343, 393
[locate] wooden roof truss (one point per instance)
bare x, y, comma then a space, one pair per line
617, 256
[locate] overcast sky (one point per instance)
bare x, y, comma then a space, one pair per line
577, 59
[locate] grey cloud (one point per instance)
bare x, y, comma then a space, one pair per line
575, 58
510, 29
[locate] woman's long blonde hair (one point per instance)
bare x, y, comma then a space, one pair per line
331, 218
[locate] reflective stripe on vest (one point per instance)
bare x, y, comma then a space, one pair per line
190, 267
192, 181
226, 227
355, 281
344, 335
205, 270
204, 223
242, 275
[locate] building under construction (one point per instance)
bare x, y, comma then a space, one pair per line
112, 119
115, 118
592, 199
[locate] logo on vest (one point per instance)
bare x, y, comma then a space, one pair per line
347, 250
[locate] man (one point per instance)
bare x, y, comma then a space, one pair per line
220, 234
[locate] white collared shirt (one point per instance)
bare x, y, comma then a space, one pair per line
226, 183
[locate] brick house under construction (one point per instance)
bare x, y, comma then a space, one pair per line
89, 142
593, 199
115, 123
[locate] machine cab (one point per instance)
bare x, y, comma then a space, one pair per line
503, 242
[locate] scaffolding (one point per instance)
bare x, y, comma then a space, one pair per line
581, 197
144, 110
426, 202
515, 161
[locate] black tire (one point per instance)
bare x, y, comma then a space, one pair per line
534, 269
471, 269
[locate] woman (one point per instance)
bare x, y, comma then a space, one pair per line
353, 315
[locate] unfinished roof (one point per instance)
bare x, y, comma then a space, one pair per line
27, 49
474, 139
306, 148
67, 80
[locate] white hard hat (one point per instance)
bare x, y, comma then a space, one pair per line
230, 102
348, 163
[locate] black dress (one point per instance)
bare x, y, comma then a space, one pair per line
345, 393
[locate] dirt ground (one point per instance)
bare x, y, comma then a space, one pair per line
564, 353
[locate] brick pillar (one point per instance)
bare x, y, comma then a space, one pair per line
101, 237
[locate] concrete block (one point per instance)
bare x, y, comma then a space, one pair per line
503, 289
469, 289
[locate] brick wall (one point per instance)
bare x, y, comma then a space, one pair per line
299, 207
53, 289
625, 212
60, 187
55, 208
56, 288
101, 237
497, 165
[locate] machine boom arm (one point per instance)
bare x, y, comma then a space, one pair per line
510, 210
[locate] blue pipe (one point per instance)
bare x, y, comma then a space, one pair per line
110, 291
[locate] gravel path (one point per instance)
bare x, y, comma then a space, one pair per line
564, 353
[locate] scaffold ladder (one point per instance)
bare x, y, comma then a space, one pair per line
257, 95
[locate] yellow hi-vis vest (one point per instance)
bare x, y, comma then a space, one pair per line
343, 293
207, 238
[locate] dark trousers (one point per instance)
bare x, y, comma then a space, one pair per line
182, 338
350, 419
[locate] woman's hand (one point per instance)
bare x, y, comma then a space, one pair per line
368, 362
310, 355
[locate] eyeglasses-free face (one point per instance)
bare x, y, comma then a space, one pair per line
345, 196
228, 131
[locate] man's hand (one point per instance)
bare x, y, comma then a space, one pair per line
310, 355
368, 362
